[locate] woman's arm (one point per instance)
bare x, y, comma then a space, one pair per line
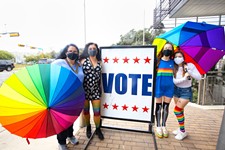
177, 81
193, 71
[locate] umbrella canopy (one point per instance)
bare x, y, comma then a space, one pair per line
203, 44
40, 101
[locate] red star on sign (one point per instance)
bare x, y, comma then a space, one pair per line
115, 60
145, 109
124, 107
147, 60
136, 60
125, 60
115, 106
106, 60
135, 108
105, 105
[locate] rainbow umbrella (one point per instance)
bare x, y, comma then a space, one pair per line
40, 101
203, 44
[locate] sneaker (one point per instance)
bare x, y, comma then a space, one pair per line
159, 132
165, 132
63, 147
181, 135
73, 140
175, 132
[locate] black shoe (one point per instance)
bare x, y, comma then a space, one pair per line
88, 131
99, 133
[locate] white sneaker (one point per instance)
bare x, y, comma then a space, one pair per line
181, 135
165, 132
159, 132
175, 132
73, 140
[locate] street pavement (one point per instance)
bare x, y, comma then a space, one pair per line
202, 124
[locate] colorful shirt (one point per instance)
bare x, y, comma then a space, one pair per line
164, 79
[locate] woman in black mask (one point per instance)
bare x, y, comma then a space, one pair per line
164, 88
91, 62
68, 58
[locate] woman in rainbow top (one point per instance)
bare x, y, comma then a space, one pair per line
164, 88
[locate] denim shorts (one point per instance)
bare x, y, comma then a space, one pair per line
185, 93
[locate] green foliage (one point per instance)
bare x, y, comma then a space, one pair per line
35, 58
195, 90
136, 37
6, 55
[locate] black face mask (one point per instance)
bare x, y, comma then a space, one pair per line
72, 56
167, 52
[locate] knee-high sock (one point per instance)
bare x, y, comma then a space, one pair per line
96, 109
158, 113
179, 112
87, 112
165, 113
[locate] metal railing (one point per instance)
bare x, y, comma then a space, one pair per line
211, 89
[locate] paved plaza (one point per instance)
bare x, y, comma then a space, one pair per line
202, 124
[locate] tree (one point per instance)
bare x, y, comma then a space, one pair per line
6, 55
136, 37
35, 58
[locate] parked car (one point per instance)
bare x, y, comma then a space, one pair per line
7, 65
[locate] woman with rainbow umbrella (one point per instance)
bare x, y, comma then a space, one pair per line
69, 59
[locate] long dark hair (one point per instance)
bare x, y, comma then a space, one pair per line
175, 69
85, 52
62, 54
160, 55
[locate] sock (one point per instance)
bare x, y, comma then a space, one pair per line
179, 112
158, 113
96, 109
165, 113
86, 112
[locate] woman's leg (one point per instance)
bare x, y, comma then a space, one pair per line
175, 100
179, 112
96, 109
61, 137
165, 113
87, 112
158, 109
70, 131
70, 136
97, 117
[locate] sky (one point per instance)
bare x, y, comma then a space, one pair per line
52, 24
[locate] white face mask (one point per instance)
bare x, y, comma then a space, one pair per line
178, 60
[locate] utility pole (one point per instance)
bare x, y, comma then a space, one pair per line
144, 30
84, 23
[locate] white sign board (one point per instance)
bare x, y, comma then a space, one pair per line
127, 82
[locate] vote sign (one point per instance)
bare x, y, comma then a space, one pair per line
128, 82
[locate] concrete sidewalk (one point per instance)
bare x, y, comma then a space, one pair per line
202, 124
